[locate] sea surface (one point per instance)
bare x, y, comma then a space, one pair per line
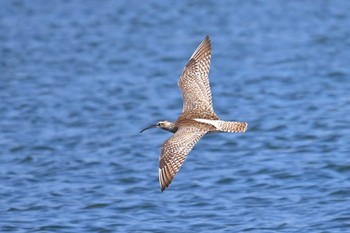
79, 80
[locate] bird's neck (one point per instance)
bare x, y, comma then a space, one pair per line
171, 127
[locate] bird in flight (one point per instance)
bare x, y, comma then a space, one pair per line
197, 118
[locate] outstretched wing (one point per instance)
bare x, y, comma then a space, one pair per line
175, 151
194, 83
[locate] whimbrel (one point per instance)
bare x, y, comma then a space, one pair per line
197, 118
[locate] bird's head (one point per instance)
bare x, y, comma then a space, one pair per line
166, 125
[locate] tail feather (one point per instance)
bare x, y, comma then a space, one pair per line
232, 126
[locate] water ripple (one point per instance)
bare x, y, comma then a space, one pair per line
80, 79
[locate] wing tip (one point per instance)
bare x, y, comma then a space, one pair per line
204, 46
161, 182
207, 41
207, 38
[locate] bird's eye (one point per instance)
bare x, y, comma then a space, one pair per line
158, 124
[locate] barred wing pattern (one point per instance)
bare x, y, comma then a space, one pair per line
194, 83
175, 151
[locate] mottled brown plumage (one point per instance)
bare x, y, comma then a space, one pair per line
197, 118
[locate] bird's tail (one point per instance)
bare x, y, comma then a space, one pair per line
232, 126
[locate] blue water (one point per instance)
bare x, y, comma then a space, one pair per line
80, 79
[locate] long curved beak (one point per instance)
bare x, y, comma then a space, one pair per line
149, 127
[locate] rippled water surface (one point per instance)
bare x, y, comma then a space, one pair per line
79, 79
